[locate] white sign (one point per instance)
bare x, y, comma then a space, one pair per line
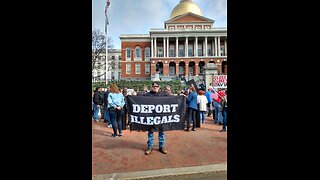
129, 91
220, 81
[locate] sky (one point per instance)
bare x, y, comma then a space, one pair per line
139, 16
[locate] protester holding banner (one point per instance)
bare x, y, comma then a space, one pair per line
115, 106
125, 112
192, 108
155, 92
167, 90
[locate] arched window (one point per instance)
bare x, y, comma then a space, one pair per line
137, 53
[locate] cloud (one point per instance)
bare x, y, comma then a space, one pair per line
139, 16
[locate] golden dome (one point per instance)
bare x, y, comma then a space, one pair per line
185, 6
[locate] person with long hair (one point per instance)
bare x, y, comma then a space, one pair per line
192, 108
115, 106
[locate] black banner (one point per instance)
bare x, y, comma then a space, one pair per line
156, 112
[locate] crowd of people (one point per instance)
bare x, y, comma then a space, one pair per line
109, 104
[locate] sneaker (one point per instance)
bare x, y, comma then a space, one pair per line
187, 130
120, 134
148, 151
223, 130
114, 135
193, 129
163, 150
109, 126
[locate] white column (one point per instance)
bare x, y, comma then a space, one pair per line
164, 47
152, 47
215, 47
186, 48
219, 53
196, 50
205, 46
177, 46
155, 47
167, 47
225, 47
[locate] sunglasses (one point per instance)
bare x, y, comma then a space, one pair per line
155, 86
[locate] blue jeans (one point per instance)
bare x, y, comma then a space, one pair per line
160, 138
202, 117
116, 120
191, 116
217, 111
107, 115
96, 110
224, 112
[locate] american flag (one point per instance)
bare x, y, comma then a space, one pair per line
108, 4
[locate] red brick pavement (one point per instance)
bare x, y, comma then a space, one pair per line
204, 146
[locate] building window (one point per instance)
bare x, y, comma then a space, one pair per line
128, 68
147, 54
180, 27
189, 26
113, 57
209, 53
138, 71
171, 27
147, 68
171, 54
128, 54
207, 26
181, 50
221, 50
172, 70
112, 75
160, 52
198, 26
200, 50
190, 50
119, 57
138, 53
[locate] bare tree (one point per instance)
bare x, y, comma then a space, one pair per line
99, 48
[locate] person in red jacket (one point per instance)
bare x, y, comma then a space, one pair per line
217, 109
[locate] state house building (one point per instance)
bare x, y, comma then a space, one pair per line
183, 48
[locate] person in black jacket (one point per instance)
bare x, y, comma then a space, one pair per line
224, 106
155, 92
97, 102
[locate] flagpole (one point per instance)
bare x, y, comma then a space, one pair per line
106, 30
106, 35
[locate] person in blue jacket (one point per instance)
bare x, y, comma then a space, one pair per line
192, 108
